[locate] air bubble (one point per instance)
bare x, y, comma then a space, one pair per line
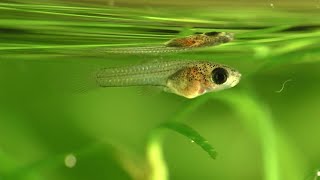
271, 4
70, 160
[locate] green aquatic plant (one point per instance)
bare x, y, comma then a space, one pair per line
270, 47
258, 115
154, 148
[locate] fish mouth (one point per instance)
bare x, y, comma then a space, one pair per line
228, 37
236, 80
234, 83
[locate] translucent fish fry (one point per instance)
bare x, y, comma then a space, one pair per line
189, 79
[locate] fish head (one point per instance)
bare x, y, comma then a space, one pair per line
223, 37
202, 77
220, 77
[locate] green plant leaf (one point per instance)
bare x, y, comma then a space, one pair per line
191, 134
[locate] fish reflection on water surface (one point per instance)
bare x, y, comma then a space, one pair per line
177, 44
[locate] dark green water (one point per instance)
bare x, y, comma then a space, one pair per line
47, 49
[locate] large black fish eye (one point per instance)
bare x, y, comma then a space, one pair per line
212, 33
219, 75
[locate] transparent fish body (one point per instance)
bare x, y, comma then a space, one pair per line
178, 44
185, 78
143, 50
151, 74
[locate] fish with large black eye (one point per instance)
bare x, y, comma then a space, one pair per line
189, 79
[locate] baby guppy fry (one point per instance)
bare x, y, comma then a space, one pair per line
189, 79
179, 44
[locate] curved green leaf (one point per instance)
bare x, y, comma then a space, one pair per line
191, 134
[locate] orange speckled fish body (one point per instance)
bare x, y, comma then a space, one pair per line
191, 81
201, 40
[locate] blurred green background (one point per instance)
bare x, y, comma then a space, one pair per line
49, 48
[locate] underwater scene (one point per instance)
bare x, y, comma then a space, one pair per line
159, 90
